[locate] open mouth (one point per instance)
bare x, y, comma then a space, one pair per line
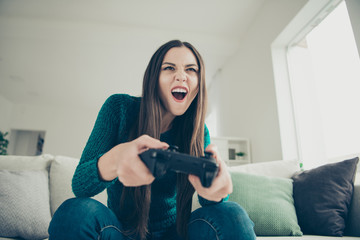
179, 93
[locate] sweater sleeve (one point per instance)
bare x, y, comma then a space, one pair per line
206, 137
86, 181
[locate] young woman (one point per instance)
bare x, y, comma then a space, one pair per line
171, 111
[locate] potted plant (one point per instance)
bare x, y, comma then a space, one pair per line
3, 143
240, 155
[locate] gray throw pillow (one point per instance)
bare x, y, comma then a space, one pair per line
322, 197
24, 204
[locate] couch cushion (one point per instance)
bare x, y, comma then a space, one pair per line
323, 196
61, 172
279, 168
41, 162
268, 201
353, 222
24, 204
308, 237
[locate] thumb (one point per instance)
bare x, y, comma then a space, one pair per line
195, 181
145, 142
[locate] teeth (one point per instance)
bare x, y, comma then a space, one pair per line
179, 90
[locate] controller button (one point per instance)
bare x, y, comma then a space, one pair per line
173, 148
161, 169
208, 154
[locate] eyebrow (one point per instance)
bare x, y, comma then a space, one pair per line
188, 65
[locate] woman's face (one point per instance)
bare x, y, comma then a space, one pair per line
178, 80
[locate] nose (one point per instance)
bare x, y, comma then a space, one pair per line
180, 76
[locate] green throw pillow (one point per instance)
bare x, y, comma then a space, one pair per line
269, 203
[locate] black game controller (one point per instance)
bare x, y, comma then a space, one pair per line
159, 161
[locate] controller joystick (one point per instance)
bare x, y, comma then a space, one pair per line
173, 148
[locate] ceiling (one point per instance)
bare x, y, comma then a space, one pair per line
78, 52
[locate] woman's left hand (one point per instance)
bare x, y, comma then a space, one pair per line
221, 186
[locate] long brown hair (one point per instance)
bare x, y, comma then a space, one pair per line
189, 132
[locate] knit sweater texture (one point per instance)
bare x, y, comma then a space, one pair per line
116, 117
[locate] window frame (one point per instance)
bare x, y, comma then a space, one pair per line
308, 18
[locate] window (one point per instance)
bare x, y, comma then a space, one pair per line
324, 83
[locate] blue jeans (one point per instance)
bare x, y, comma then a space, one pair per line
85, 218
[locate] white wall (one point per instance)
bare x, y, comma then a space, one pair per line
5, 114
243, 94
246, 86
67, 128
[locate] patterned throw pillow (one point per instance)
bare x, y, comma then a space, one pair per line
24, 204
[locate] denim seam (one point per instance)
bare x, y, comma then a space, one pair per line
112, 226
199, 219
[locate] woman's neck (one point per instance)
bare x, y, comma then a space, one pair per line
166, 122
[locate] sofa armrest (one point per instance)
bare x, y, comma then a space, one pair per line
353, 222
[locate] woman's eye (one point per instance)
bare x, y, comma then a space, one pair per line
192, 69
168, 68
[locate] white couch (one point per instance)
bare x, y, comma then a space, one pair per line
32, 188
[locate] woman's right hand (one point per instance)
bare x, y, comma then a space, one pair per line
123, 161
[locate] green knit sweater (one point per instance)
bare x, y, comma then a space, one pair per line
112, 126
